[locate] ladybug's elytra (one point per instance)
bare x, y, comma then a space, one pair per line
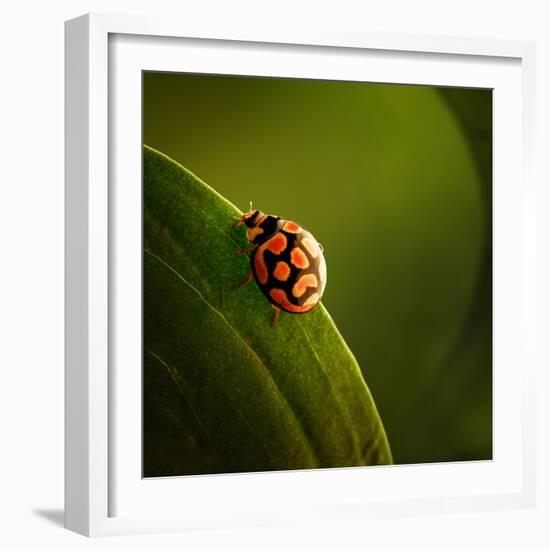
287, 262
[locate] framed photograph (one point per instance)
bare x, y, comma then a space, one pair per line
299, 275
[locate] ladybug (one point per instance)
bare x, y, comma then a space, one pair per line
286, 261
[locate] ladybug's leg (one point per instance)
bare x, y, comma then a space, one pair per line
239, 222
275, 315
246, 250
246, 281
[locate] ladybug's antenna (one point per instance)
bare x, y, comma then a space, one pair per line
250, 206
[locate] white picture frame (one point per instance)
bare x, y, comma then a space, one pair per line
104, 492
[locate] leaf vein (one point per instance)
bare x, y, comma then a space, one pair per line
173, 375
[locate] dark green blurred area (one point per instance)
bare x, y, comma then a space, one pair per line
395, 182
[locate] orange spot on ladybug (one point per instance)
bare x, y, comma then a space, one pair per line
303, 283
291, 227
281, 271
298, 258
311, 246
279, 296
253, 232
260, 269
277, 243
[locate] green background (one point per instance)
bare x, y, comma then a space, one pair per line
395, 182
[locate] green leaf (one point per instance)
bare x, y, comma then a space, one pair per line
223, 390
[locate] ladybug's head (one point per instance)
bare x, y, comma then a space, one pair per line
260, 226
251, 218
